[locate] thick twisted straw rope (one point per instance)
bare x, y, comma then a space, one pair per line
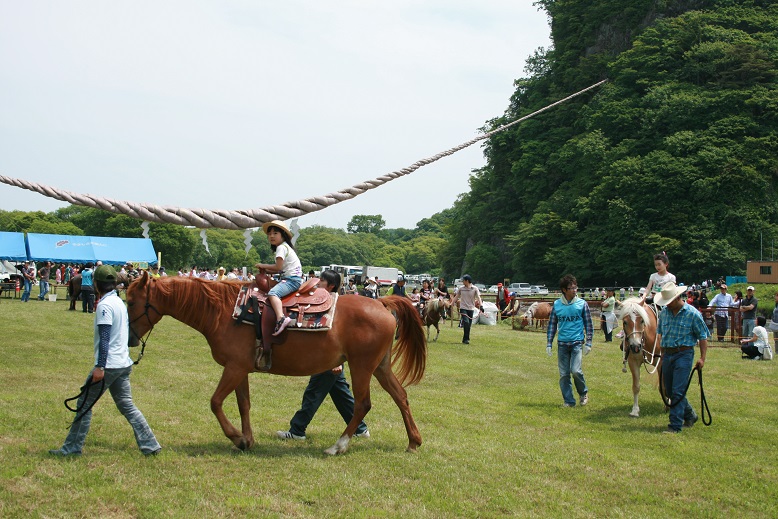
204, 218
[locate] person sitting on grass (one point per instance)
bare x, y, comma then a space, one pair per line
757, 347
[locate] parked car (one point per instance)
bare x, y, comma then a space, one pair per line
492, 289
480, 287
520, 289
540, 290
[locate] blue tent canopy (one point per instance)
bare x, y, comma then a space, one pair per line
12, 246
81, 249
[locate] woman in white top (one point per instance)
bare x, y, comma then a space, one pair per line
758, 346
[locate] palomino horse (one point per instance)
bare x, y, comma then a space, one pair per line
640, 343
432, 313
538, 314
363, 333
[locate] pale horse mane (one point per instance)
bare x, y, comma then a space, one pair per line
631, 308
531, 310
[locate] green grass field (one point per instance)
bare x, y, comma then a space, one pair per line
497, 441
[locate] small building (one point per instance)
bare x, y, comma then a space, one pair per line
762, 271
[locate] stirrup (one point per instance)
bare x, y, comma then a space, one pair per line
265, 360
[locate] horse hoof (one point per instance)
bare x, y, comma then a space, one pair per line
411, 449
242, 445
634, 415
624, 369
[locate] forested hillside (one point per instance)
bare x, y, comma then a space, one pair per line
678, 151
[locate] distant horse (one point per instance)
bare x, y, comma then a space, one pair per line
432, 313
363, 333
74, 286
538, 314
74, 290
640, 343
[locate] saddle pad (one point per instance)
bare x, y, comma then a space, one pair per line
310, 321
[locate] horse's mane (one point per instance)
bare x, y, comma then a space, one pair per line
531, 310
631, 307
203, 301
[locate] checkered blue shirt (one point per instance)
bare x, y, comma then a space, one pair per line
683, 329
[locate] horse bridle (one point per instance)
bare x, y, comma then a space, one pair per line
641, 346
145, 314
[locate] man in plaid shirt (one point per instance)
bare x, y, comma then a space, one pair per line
680, 328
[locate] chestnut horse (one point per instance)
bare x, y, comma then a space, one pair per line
432, 313
362, 333
640, 343
538, 314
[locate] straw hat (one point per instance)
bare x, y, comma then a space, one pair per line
668, 293
281, 225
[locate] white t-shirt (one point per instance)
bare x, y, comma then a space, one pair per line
659, 281
291, 266
111, 310
762, 342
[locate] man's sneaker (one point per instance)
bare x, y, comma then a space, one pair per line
585, 399
568, 405
691, 422
282, 324
61, 453
365, 434
286, 435
670, 430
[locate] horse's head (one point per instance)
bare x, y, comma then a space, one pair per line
524, 321
140, 307
635, 320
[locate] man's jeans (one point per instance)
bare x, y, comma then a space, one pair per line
44, 289
27, 289
569, 359
748, 327
319, 386
676, 368
88, 298
117, 381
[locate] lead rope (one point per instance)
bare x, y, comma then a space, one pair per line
703, 401
245, 219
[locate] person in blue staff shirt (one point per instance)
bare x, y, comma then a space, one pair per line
570, 316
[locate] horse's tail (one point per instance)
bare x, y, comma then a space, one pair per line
411, 346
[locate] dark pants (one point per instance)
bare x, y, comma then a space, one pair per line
604, 325
88, 298
467, 321
750, 350
319, 386
721, 326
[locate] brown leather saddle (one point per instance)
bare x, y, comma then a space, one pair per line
306, 305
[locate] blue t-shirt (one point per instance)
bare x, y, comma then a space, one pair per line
86, 278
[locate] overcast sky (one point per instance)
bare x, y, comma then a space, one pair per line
243, 104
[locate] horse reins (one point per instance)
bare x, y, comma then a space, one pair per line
646, 354
146, 315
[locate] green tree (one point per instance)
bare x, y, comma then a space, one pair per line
365, 223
